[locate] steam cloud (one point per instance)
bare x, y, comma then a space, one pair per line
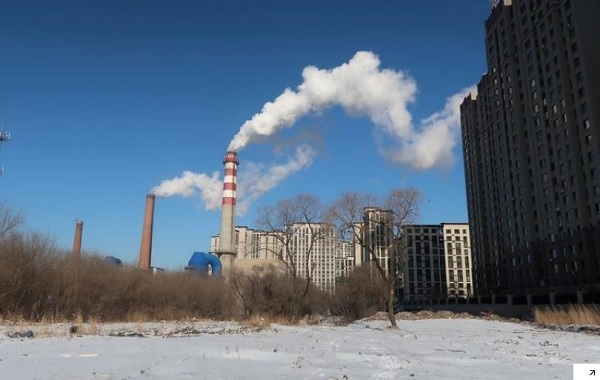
361, 88
358, 86
255, 180
210, 188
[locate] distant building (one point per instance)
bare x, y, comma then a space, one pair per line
345, 260
312, 246
531, 147
374, 239
377, 237
254, 249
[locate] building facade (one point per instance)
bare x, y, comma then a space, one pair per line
254, 248
345, 260
457, 259
251, 244
376, 235
438, 261
308, 249
531, 146
313, 246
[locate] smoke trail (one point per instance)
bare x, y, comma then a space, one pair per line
191, 184
358, 86
253, 181
433, 144
361, 88
257, 179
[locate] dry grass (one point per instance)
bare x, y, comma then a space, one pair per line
587, 315
40, 283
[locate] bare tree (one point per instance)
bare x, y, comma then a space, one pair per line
10, 220
295, 225
379, 233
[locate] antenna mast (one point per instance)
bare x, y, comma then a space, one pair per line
4, 136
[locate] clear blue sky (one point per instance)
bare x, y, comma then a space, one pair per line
106, 99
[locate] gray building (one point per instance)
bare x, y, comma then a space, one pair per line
531, 145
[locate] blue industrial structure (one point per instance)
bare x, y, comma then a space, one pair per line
202, 261
113, 260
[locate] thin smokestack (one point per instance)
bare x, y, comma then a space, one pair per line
226, 237
78, 237
146, 245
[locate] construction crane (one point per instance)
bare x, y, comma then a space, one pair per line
4, 136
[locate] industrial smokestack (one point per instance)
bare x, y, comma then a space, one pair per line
226, 237
77, 239
146, 245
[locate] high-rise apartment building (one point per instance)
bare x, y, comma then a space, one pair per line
438, 261
313, 246
377, 237
425, 267
457, 257
531, 145
345, 260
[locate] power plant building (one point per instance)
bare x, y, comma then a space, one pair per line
312, 248
252, 248
251, 244
531, 146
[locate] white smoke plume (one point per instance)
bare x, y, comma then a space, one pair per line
253, 181
359, 86
257, 179
433, 144
209, 188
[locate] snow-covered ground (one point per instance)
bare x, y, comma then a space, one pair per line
421, 349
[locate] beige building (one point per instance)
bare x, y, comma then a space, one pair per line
254, 248
314, 249
457, 259
345, 260
531, 147
311, 249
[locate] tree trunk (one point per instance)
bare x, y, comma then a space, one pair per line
390, 306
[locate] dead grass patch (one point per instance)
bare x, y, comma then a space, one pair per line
588, 315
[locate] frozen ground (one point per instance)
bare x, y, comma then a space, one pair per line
421, 349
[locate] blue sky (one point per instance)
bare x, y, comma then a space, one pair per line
106, 99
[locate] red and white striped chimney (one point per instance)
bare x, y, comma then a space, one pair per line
227, 237
145, 258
